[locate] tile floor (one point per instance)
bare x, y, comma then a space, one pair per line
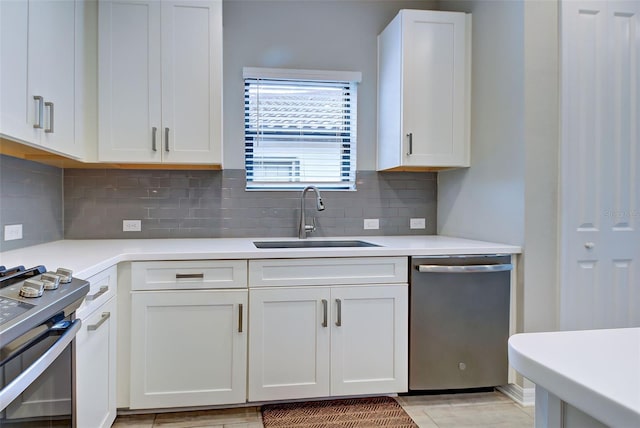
484, 409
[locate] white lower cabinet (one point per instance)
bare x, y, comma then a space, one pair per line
188, 348
320, 341
96, 368
96, 353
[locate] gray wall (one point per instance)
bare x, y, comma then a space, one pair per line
209, 204
486, 201
31, 195
511, 188
317, 34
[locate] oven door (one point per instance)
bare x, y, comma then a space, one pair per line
36, 375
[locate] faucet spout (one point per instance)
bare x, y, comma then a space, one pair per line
303, 227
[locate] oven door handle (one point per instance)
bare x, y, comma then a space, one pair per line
464, 268
17, 386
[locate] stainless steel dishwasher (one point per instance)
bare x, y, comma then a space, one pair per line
459, 321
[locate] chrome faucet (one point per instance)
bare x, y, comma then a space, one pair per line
303, 227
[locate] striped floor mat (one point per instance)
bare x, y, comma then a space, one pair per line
346, 413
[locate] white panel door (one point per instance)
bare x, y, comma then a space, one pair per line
188, 348
600, 250
289, 343
96, 368
369, 339
191, 81
434, 58
129, 84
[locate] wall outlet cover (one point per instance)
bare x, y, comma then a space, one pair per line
131, 225
12, 232
417, 223
371, 223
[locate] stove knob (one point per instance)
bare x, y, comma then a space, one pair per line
65, 275
51, 280
32, 288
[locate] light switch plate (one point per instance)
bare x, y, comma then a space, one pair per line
12, 232
417, 223
131, 225
371, 223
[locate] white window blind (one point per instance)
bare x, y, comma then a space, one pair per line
300, 129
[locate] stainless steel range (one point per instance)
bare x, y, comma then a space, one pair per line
37, 331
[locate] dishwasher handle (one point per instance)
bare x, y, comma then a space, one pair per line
464, 268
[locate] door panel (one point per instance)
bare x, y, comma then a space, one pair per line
600, 158
288, 359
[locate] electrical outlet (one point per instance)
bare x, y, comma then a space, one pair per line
12, 232
371, 223
131, 225
417, 223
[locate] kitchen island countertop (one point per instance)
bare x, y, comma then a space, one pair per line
88, 257
595, 371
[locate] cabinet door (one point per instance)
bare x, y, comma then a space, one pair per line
37, 60
51, 72
129, 81
289, 343
369, 339
14, 100
191, 81
434, 91
96, 367
188, 348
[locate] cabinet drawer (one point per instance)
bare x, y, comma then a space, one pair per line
103, 287
188, 275
329, 271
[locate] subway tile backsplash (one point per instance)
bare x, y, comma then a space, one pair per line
211, 204
30, 195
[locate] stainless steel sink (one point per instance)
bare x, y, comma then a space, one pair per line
312, 244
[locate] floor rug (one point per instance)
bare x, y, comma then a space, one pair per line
346, 413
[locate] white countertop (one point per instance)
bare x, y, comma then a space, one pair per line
88, 257
596, 371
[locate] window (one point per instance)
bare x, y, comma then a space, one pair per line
300, 128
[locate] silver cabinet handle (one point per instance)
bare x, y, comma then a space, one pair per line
190, 276
339, 315
49, 130
589, 245
105, 316
40, 112
240, 318
410, 136
166, 139
465, 268
102, 290
154, 131
325, 312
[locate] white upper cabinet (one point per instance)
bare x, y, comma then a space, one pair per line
424, 86
37, 74
160, 81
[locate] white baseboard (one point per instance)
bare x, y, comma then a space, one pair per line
522, 396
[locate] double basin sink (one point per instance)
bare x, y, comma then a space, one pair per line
313, 244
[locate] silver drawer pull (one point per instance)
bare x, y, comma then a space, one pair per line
103, 290
190, 276
49, 130
339, 316
40, 113
465, 269
105, 316
154, 147
325, 312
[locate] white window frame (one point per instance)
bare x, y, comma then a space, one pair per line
351, 78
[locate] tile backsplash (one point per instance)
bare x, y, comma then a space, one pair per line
211, 204
30, 195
